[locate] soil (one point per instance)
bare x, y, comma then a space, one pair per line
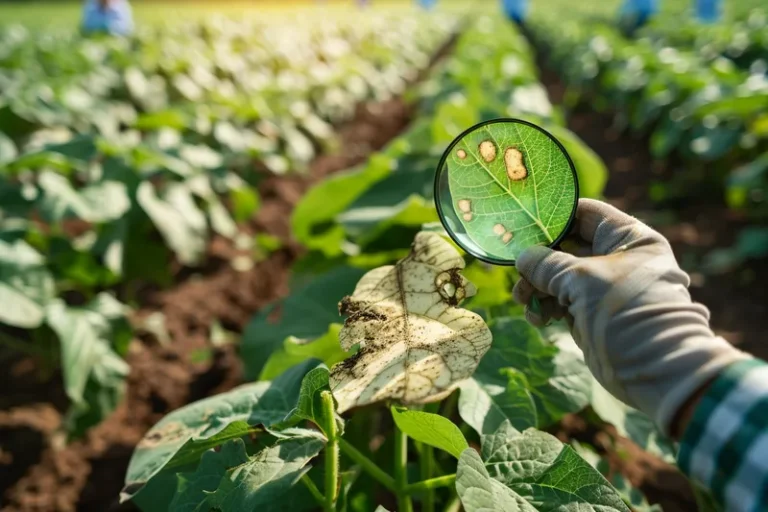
40, 472
694, 228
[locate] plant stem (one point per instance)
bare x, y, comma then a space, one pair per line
368, 465
426, 466
432, 483
331, 452
454, 505
313, 490
404, 503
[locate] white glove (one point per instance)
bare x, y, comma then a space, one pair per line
629, 310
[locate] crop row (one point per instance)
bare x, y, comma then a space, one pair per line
698, 107
119, 156
352, 222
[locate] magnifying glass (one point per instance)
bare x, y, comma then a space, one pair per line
503, 186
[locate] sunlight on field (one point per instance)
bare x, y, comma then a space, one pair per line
62, 14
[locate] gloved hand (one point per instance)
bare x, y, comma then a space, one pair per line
629, 310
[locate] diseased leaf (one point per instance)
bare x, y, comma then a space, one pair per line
306, 313
545, 472
511, 187
295, 350
416, 345
186, 433
26, 285
191, 488
481, 493
431, 429
265, 480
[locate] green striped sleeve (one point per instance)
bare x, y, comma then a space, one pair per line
725, 446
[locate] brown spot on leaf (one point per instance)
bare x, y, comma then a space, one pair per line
508, 236
513, 161
499, 229
467, 217
461, 154
487, 151
465, 205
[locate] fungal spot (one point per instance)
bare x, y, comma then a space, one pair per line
465, 206
488, 151
499, 229
513, 161
508, 236
449, 289
461, 154
467, 217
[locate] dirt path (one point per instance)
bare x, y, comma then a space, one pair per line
737, 304
87, 475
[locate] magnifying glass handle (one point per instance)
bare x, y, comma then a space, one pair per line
535, 306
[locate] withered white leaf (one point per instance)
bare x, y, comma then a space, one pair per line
416, 345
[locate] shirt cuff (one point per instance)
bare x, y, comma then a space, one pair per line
725, 446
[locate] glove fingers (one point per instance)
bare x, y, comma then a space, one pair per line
550, 310
547, 270
609, 228
524, 291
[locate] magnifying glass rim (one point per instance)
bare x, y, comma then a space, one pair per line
442, 164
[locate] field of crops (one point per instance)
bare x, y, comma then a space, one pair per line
184, 211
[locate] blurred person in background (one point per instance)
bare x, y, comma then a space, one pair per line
636, 13
515, 10
107, 16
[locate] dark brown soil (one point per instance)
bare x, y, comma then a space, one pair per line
737, 302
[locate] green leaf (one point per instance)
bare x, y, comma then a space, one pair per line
193, 487
26, 286
264, 481
177, 218
294, 350
632, 424
545, 472
431, 429
312, 219
182, 436
481, 493
590, 168
485, 404
8, 150
244, 202
557, 381
94, 374
511, 187
309, 406
306, 313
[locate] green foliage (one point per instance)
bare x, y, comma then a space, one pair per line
431, 429
523, 379
296, 350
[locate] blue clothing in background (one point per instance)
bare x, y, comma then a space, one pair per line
116, 18
636, 13
708, 11
426, 4
515, 9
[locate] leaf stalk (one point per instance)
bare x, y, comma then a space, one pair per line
331, 452
404, 503
368, 465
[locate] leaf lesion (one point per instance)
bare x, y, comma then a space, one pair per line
415, 343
